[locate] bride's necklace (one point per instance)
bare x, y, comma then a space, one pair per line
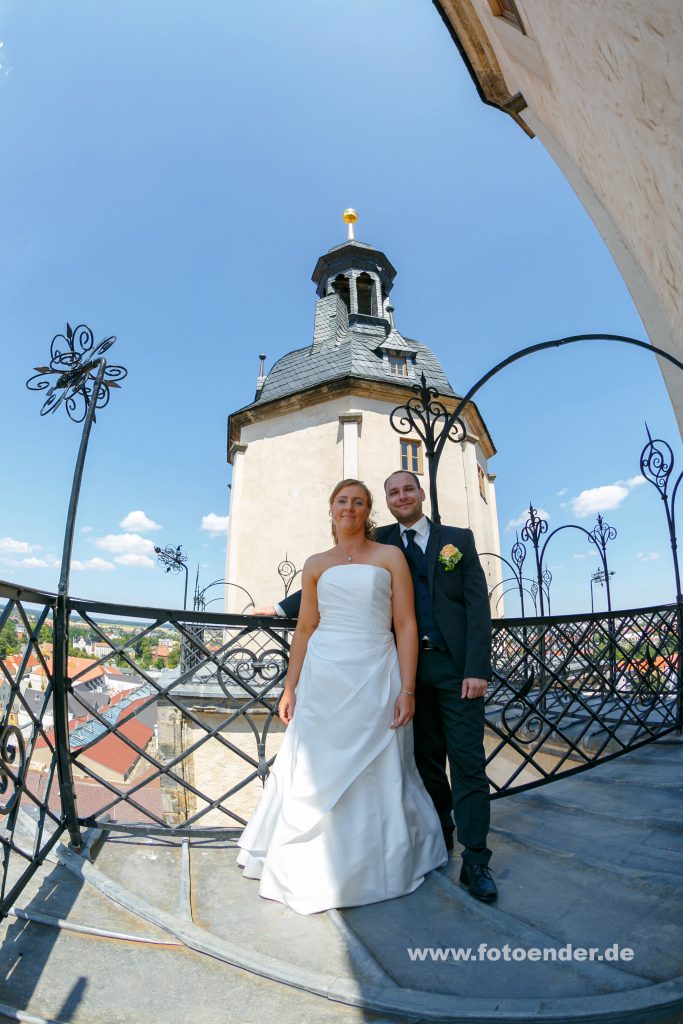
349, 558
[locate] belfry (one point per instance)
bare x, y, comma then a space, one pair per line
322, 413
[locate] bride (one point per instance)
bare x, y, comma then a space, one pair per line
344, 818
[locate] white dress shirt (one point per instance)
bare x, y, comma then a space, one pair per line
421, 528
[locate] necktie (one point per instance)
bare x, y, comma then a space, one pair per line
411, 546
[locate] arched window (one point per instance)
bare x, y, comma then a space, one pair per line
341, 287
365, 292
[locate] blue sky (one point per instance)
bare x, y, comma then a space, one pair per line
171, 173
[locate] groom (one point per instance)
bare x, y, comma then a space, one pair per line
454, 666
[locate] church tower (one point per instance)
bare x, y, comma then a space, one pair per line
322, 414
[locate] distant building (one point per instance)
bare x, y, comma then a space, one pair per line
80, 670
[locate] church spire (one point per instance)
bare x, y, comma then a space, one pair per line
358, 274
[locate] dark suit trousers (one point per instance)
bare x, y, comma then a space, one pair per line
446, 726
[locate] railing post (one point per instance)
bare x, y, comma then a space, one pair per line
679, 665
60, 656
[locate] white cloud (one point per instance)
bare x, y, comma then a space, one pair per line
34, 563
521, 519
138, 521
125, 543
19, 547
214, 524
601, 499
140, 561
610, 496
99, 564
650, 557
86, 529
586, 554
598, 499
563, 491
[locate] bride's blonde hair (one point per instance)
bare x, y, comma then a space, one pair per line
370, 524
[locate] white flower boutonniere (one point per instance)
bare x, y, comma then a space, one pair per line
450, 556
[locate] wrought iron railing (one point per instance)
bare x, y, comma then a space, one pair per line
572, 691
186, 750
27, 798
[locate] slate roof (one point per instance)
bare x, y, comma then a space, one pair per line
359, 355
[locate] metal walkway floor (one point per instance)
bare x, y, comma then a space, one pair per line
593, 860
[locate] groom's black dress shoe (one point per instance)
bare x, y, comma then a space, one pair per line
477, 878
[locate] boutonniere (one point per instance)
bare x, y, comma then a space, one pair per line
449, 556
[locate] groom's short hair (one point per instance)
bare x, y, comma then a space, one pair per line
407, 472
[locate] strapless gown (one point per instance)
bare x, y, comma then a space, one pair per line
344, 818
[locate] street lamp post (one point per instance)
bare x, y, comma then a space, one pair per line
82, 384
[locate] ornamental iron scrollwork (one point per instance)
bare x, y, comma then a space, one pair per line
287, 572
657, 466
172, 559
12, 767
74, 361
426, 416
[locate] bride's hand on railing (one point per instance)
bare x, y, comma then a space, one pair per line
404, 709
285, 708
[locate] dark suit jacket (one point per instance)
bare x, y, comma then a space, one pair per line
459, 597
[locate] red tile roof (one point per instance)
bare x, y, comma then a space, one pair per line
78, 667
111, 751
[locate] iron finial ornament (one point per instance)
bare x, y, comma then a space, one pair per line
350, 217
287, 572
657, 466
173, 560
427, 417
75, 360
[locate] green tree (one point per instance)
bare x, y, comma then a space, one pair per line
9, 641
45, 635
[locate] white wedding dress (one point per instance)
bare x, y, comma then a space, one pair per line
344, 818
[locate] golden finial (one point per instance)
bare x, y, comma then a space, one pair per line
350, 217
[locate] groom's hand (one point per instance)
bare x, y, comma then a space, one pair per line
265, 610
473, 687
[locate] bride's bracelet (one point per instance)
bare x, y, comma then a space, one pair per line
411, 693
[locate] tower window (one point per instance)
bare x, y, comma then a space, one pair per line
342, 288
482, 481
365, 293
411, 455
507, 10
398, 365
